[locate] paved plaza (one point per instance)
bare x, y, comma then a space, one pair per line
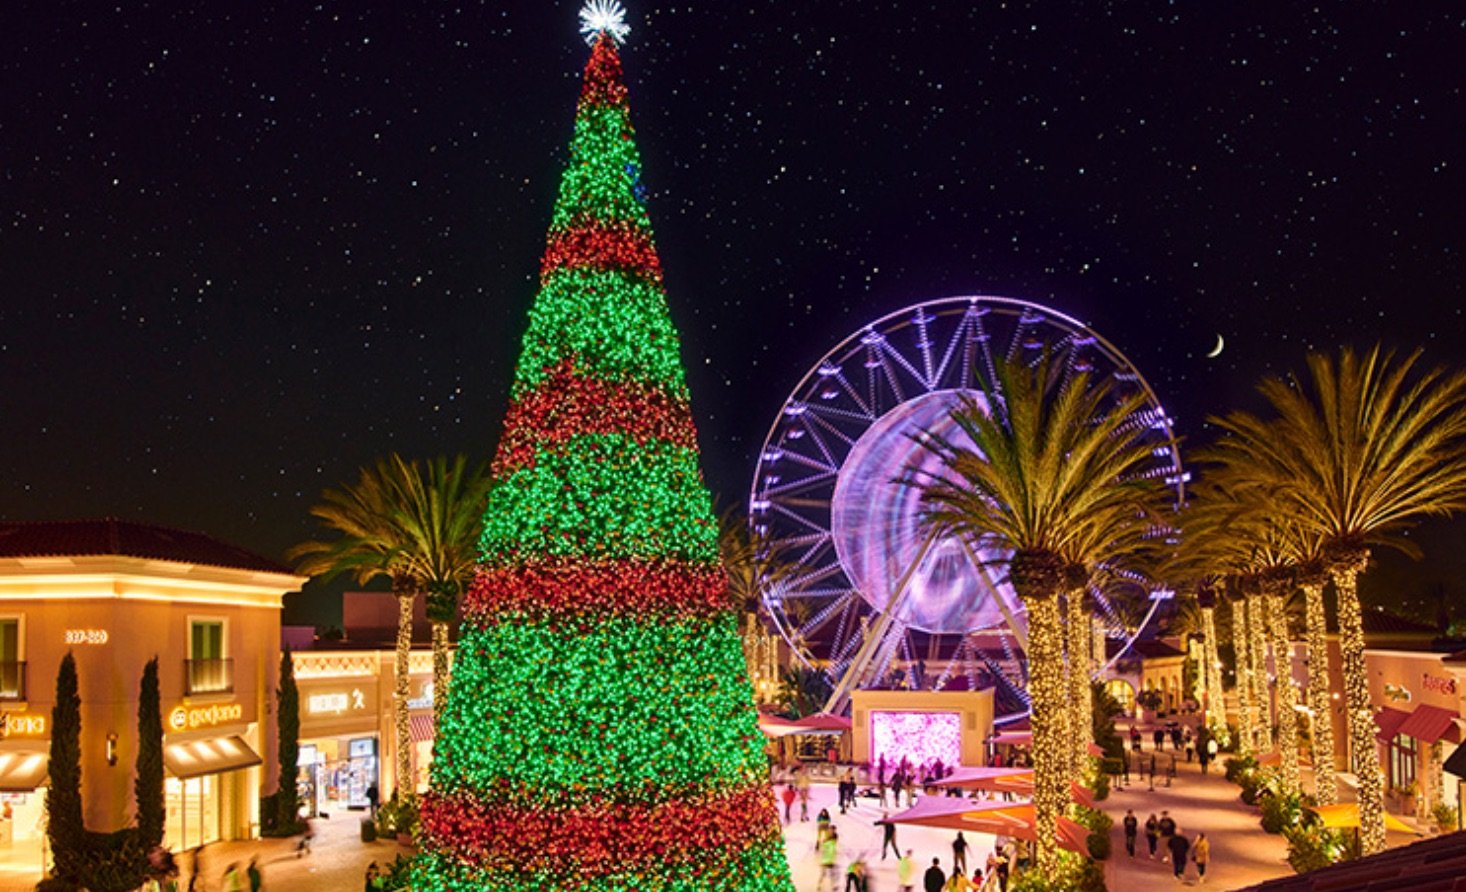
1241, 853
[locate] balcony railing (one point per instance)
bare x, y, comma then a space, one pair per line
12, 680
208, 676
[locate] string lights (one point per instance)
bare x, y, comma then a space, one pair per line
1361, 714
600, 730
1320, 700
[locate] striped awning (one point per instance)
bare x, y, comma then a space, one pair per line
196, 758
421, 727
21, 771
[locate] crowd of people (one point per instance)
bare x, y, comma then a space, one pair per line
1162, 833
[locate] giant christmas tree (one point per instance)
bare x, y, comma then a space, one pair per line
600, 730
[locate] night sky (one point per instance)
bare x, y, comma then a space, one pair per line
247, 248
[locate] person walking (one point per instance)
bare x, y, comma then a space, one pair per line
801, 786
788, 796
1159, 737
1152, 834
959, 855
1178, 844
888, 836
1203, 756
371, 878
1167, 829
1135, 738
307, 833
233, 882
374, 799
905, 872
829, 848
934, 879
855, 876
1132, 825
252, 873
1201, 854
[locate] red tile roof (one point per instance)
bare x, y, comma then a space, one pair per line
110, 536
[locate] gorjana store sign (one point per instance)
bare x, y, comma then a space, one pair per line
191, 718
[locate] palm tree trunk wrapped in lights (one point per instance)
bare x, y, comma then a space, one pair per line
1216, 695
401, 692
1320, 699
1242, 663
1080, 716
1357, 705
1262, 721
1049, 696
1287, 694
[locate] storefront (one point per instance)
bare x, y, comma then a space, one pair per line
341, 742
211, 761
1418, 711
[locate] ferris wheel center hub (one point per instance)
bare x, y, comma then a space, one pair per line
875, 522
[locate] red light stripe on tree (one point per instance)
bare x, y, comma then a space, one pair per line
601, 839
603, 246
603, 84
566, 404
574, 588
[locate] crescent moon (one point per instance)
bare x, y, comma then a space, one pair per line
1217, 350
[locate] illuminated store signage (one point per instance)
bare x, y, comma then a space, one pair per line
1440, 685
86, 636
190, 718
21, 724
336, 702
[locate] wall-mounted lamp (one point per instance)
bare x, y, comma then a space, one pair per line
111, 749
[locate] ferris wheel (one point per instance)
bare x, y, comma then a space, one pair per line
872, 597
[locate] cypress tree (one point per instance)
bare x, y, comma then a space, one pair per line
63, 798
287, 798
148, 788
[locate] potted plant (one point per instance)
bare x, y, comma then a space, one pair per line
1407, 797
1444, 818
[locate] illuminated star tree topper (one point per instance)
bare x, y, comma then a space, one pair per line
599, 17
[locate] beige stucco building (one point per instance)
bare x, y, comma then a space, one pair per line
116, 594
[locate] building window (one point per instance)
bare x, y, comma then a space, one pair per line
208, 670
12, 667
1402, 762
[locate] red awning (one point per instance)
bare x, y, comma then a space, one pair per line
1428, 724
421, 727
1389, 721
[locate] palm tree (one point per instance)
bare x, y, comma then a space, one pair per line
1359, 449
442, 516
396, 523
1052, 477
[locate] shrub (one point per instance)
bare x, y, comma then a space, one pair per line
1279, 812
1075, 874
1311, 847
1099, 824
397, 815
1239, 765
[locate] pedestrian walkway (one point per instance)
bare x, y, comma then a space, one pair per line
1241, 853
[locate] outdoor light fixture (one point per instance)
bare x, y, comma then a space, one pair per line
111, 749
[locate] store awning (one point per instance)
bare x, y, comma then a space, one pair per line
1345, 815
421, 727
21, 771
1389, 721
1429, 724
196, 758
